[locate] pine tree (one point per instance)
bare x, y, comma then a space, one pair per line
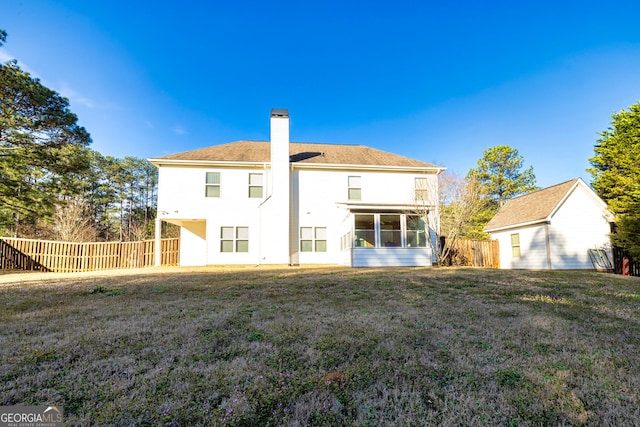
616, 175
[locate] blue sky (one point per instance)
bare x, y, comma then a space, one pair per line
435, 81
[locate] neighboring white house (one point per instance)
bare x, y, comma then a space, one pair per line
279, 202
557, 228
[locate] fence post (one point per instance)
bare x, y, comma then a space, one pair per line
625, 266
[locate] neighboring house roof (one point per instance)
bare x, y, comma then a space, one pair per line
533, 207
303, 153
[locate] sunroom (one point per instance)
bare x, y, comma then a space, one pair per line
385, 239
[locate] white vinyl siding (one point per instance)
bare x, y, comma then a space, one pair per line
389, 257
533, 252
579, 225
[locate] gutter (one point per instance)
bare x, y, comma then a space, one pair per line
295, 165
519, 225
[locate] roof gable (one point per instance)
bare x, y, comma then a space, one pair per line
533, 207
302, 153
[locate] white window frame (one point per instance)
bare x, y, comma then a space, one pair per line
253, 185
362, 237
421, 233
354, 187
421, 192
237, 237
211, 184
316, 236
516, 251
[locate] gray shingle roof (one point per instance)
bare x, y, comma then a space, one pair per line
531, 207
305, 153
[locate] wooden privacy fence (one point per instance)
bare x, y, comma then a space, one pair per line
47, 255
476, 253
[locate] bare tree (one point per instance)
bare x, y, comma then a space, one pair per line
71, 223
459, 199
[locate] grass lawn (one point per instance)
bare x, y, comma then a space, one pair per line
323, 346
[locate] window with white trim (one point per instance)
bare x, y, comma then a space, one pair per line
212, 184
515, 245
234, 239
355, 187
421, 190
365, 231
255, 185
390, 231
313, 239
416, 234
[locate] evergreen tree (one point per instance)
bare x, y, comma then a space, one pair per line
500, 174
616, 175
501, 178
41, 145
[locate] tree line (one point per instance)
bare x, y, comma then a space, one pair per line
52, 185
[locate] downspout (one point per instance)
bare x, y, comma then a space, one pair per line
548, 244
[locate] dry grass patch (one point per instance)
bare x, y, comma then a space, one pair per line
324, 346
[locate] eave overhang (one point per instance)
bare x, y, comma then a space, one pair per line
159, 162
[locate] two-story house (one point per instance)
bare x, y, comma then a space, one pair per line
282, 202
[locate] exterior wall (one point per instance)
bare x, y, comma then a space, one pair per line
181, 197
321, 199
577, 226
181, 192
318, 198
193, 243
533, 250
391, 257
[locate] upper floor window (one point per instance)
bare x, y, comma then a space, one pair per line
355, 188
212, 185
255, 185
422, 190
